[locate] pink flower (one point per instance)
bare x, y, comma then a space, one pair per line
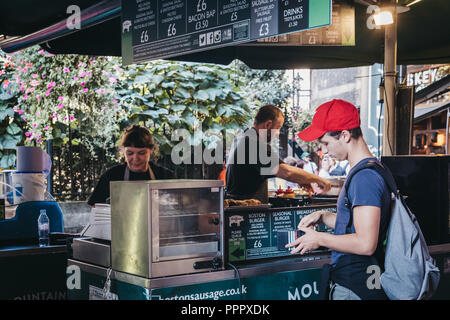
103, 108
83, 84
20, 112
34, 83
25, 97
38, 140
27, 134
38, 98
35, 125
38, 113
60, 98
75, 78
46, 127
85, 90
65, 118
60, 106
41, 51
66, 70
34, 76
72, 118
47, 93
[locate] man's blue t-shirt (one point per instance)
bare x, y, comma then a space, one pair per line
367, 188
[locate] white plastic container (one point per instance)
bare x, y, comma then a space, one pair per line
28, 187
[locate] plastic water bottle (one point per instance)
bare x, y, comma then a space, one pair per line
43, 228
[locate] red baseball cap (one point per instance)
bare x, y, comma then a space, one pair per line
334, 115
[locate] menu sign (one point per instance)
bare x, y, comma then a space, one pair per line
341, 32
253, 235
155, 29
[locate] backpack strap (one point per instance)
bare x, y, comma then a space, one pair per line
378, 167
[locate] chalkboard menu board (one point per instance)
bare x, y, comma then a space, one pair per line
154, 29
252, 234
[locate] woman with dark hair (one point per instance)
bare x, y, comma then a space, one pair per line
139, 149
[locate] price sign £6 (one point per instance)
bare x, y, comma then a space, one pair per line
201, 14
144, 36
171, 31
201, 5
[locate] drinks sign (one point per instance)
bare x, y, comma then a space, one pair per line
156, 29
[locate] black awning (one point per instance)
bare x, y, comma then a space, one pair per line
423, 38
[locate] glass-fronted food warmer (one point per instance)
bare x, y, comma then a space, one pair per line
166, 227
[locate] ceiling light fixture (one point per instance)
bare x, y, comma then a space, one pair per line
384, 16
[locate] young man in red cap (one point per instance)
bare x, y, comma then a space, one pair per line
357, 240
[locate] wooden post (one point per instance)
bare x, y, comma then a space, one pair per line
390, 81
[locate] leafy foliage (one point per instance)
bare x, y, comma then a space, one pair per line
300, 120
264, 86
169, 95
11, 132
67, 98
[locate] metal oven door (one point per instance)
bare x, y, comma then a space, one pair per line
186, 224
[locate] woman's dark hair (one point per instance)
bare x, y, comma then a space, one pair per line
139, 137
268, 112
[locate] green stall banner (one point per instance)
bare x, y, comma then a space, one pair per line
292, 285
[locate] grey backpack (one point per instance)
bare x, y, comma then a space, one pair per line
409, 271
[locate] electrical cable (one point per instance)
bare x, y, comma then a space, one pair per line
387, 129
380, 101
379, 135
239, 279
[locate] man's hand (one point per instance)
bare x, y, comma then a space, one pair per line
297, 175
308, 188
306, 243
321, 185
311, 220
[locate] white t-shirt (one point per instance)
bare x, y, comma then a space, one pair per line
310, 167
324, 174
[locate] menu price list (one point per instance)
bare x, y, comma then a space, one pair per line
254, 235
156, 25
